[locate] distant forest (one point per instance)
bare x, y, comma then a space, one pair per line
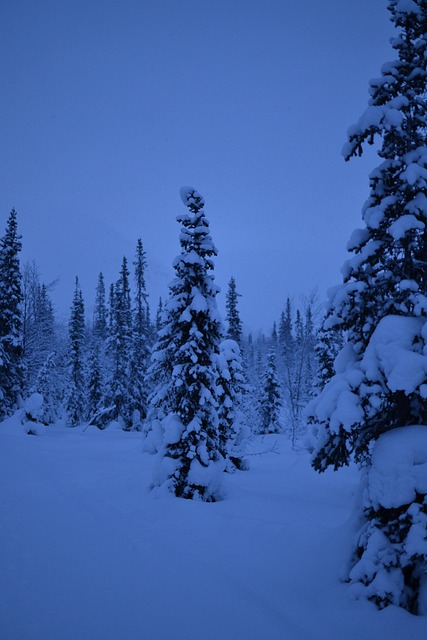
98, 371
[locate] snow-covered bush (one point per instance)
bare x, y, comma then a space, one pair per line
33, 407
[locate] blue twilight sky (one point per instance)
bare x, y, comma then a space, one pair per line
108, 107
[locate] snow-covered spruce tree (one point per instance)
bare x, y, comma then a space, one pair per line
250, 355
274, 341
231, 385
98, 370
38, 323
95, 392
111, 310
271, 403
120, 350
234, 324
286, 340
140, 342
158, 373
297, 365
100, 313
48, 386
76, 392
380, 381
184, 363
30, 284
159, 315
249, 401
44, 339
299, 328
11, 362
309, 354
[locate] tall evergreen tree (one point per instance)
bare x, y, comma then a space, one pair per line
45, 319
249, 359
190, 461
387, 275
299, 328
382, 306
76, 396
271, 402
309, 354
11, 363
285, 329
140, 341
159, 315
274, 338
95, 395
99, 360
47, 385
234, 324
231, 385
39, 331
141, 297
111, 310
298, 363
100, 314
120, 349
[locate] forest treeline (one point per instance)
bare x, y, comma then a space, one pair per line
98, 369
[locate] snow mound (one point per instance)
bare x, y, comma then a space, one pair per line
399, 467
33, 405
391, 353
230, 349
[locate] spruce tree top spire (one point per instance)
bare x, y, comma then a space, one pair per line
192, 199
397, 108
197, 246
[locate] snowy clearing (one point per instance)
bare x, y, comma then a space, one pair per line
89, 552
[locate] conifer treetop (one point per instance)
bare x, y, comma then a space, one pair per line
197, 247
192, 198
397, 103
387, 273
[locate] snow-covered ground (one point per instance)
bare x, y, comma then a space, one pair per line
88, 552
